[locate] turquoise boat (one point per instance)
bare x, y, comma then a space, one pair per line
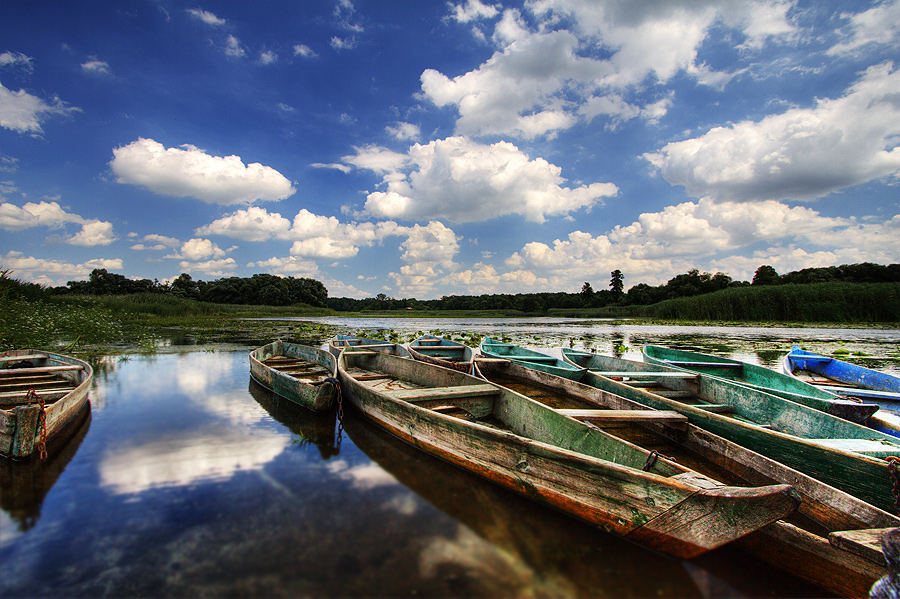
507, 351
762, 379
840, 453
850, 380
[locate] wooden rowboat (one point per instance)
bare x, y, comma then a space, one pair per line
40, 394
303, 374
442, 352
851, 380
532, 359
843, 378
763, 379
340, 342
828, 541
848, 456
550, 456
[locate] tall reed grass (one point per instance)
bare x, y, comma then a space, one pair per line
854, 303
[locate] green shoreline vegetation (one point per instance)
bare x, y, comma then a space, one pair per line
110, 313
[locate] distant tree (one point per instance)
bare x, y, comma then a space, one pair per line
617, 283
765, 275
587, 293
184, 286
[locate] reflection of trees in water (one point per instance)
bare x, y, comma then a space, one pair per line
25, 484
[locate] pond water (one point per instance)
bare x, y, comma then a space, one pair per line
185, 478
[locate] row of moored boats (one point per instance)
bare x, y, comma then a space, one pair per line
682, 452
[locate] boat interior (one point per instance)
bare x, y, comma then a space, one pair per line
298, 368
23, 373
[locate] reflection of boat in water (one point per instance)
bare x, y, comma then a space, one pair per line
23, 485
311, 427
557, 554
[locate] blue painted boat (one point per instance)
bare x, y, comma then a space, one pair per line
532, 359
850, 380
761, 379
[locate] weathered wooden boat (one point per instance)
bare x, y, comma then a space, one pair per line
340, 342
845, 455
761, 378
550, 456
851, 380
40, 394
827, 542
530, 358
843, 378
550, 551
305, 375
442, 352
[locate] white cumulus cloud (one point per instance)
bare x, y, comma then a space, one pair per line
52, 215
460, 180
188, 171
24, 113
801, 154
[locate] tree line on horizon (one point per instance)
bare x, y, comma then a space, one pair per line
271, 290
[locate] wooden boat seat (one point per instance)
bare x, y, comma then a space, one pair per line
447, 393
865, 543
703, 364
715, 408
21, 398
607, 416
547, 359
871, 447
5, 359
638, 374
672, 393
312, 371
37, 370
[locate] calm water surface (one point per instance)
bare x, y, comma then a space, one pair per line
187, 479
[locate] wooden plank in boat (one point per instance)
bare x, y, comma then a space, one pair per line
429, 393
4, 359
873, 447
715, 408
42, 393
644, 374
703, 364
37, 369
660, 416
864, 543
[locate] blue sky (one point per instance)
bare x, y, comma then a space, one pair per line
421, 149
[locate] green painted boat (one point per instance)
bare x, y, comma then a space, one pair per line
763, 379
303, 374
41, 394
799, 543
532, 359
550, 456
845, 455
442, 352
